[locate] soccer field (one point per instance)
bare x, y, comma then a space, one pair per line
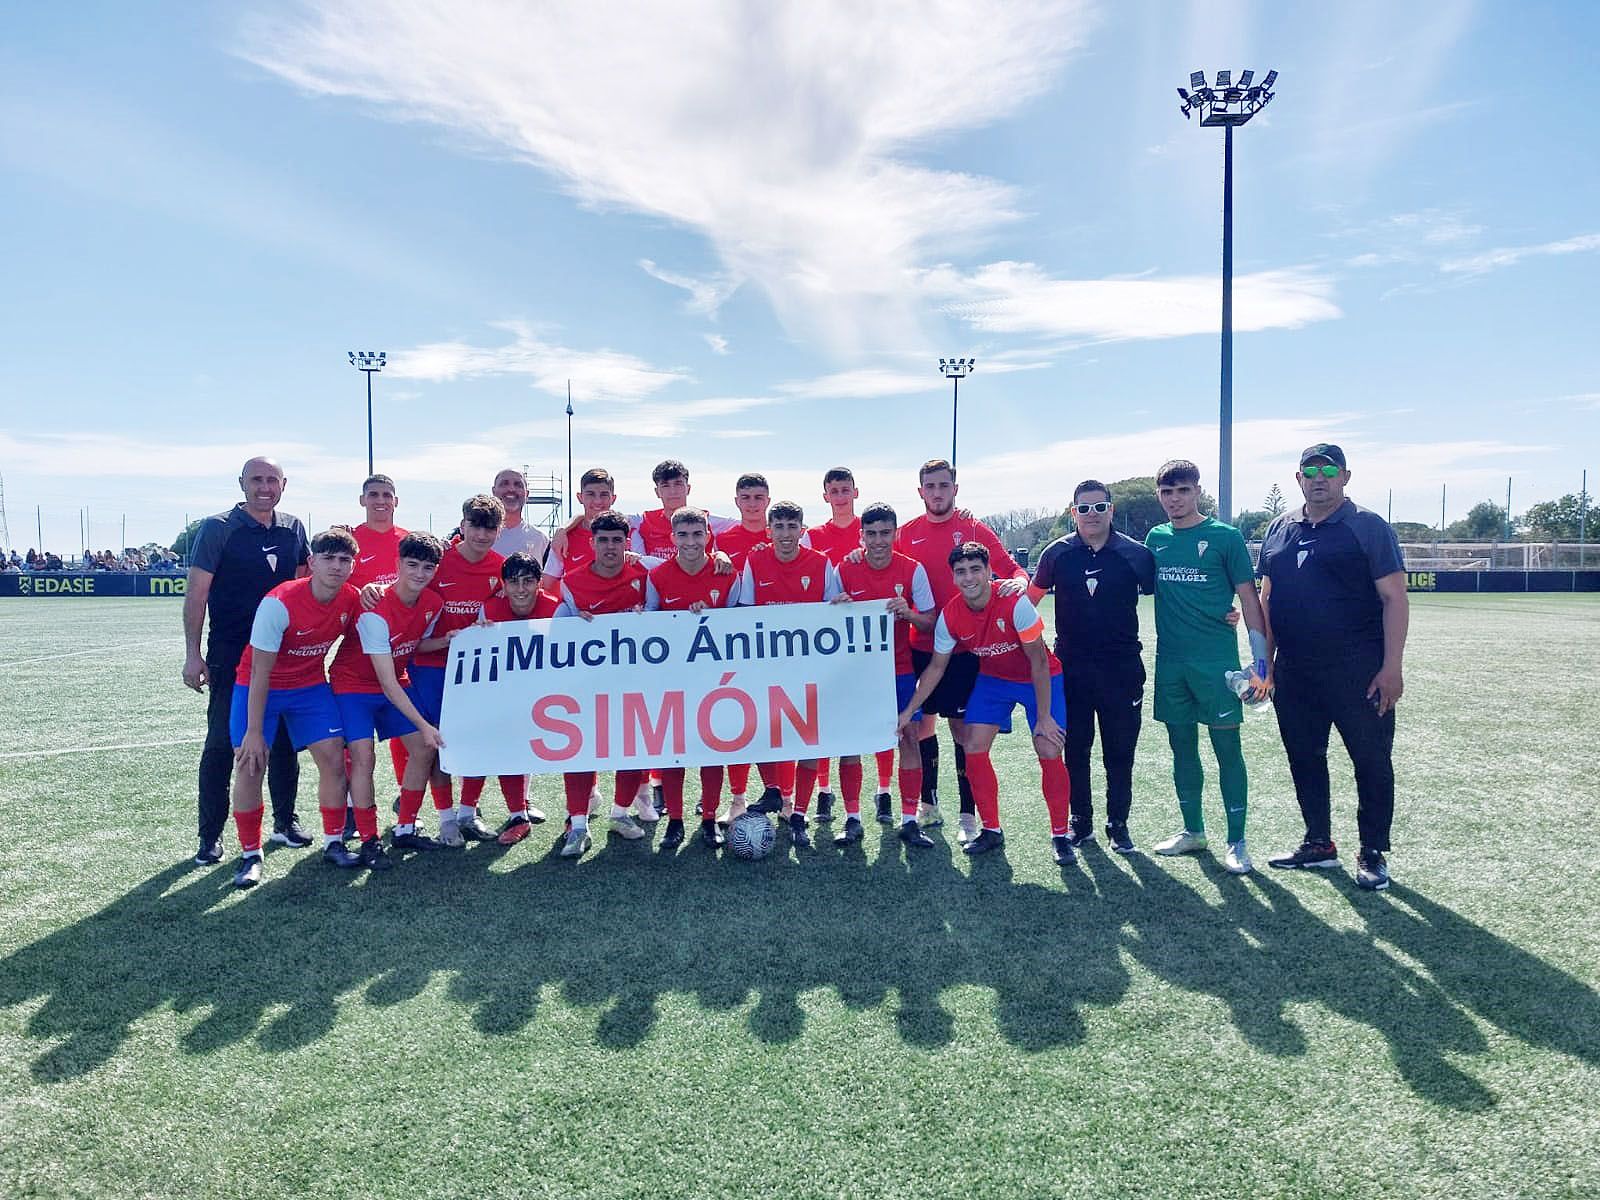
499, 1022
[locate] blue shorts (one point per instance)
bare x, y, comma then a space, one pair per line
311, 713
904, 686
993, 699
427, 691
367, 713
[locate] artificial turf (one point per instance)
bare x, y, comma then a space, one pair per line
500, 1022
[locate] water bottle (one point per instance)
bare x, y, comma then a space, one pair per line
1239, 682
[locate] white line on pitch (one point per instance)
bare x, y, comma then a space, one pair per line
22, 662
191, 741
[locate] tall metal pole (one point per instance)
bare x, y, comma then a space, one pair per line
1508, 508
955, 414
38, 520
1391, 506
1225, 468
1583, 515
1443, 490
571, 488
368, 374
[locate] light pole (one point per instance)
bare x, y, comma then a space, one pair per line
570, 489
369, 363
955, 370
1227, 104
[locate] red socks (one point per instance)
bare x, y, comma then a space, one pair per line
515, 789
985, 788
578, 785
1057, 791
711, 791
672, 792
805, 780
850, 786
628, 787
885, 769
443, 799
824, 766
333, 821
399, 755
249, 826
910, 785
472, 790
410, 806
738, 778
366, 824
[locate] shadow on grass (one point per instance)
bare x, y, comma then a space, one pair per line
628, 925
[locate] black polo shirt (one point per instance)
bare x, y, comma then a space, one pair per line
1324, 603
247, 560
1097, 594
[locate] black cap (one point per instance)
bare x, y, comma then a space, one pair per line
1325, 450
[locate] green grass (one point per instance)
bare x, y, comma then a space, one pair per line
503, 1023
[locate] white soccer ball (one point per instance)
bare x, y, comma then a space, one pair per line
751, 836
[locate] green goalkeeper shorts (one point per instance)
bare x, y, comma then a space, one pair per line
1196, 694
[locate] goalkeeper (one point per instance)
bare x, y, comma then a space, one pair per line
1201, 565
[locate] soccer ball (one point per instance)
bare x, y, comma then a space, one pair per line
751, 836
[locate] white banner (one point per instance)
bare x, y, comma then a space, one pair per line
670, 689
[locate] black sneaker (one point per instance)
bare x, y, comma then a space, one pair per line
987, 840
1117, 835
911, 834
1061, 844
674, 834
771, 801
1372, 873
416, 840
372, 856
350, 829
798, 834
852, 832
1080, 832
711, 835
824, 812
209, 854
474, 830
1310, 854
337, 854
885, 803
248, 873
290, 835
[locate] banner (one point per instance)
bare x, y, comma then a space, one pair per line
670, 689
46, 584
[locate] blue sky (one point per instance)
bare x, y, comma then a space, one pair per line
746, 234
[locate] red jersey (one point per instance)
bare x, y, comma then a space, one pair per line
653, 535
389, 628
903, 577
295, 625
378, 559
580, 553
498, 608
672, 589
737, 542
930, 543
808, 579
995, 633
835, 540
464, 586
584, 591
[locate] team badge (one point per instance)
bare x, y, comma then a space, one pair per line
716, 595
1001, 624
1300, 559
272, 560
955, 537
344, 619
637, 584
1091, 583
805, 581
900, 590
1201, 548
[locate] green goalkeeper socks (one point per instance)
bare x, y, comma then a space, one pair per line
1188, 777
1232, 776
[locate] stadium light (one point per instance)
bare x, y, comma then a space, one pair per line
1229, 104
955, 370
369, 363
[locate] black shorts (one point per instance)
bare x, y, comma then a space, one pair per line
949, 699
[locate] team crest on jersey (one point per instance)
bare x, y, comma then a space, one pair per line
1300, 559
716, 595
1000, 624
344, 619
1091, 583
805, 581
272, 560
637, 585
955, 537
1201, 547
900, 589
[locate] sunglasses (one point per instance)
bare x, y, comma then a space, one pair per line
1083, 510
1327, 471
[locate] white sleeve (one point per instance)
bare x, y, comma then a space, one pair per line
636, 541
652, 598
1025, 616
271, 623
721, 524
568, 606
922, 591
943, 642
432, 625
805, 540
650, 561
831, 586
374, 631
747, 586
554, 568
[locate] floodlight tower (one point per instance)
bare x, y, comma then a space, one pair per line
955, 370
1230, 103
369, 363
571, 486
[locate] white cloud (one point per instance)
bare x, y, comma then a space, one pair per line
550, 366
718, 343
867, 383
1012, 297
706, 296
1506, 256
781, 131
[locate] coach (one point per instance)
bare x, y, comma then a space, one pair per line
516, 534
1334, 589
1097, 574
237, 557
